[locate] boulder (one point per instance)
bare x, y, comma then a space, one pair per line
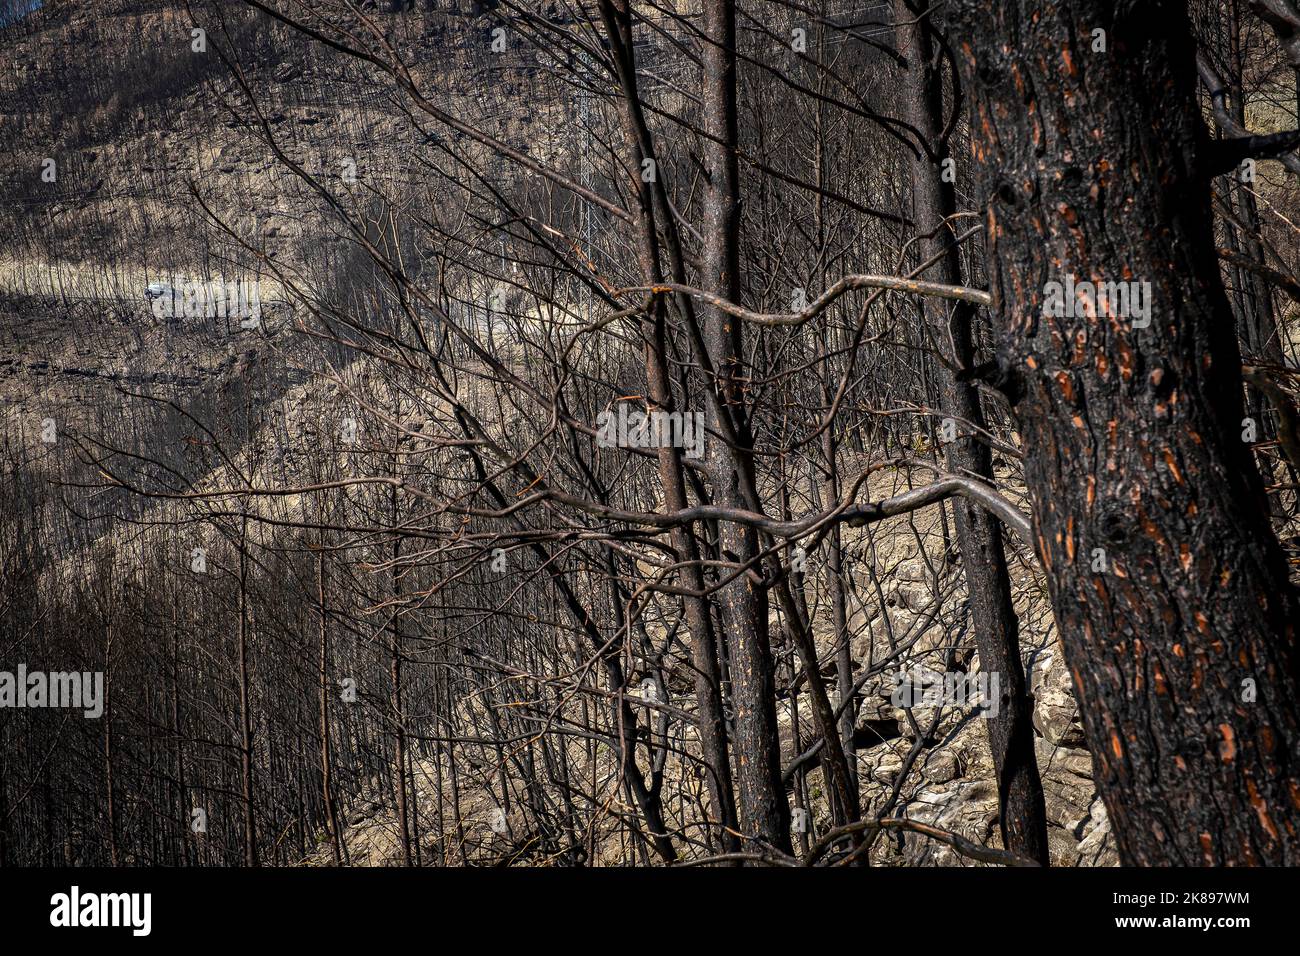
1055, 716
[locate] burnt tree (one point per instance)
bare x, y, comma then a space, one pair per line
1169, 587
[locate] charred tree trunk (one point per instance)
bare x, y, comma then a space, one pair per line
110, 802
395, 701
1022, 815
326, 768
1169, 587
178, 737
764, 812
245, 707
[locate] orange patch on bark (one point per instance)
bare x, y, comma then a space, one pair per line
1173, 466
1125, 362
1153, 531
1261, 809
1116, 745
1067, 388
1228, 748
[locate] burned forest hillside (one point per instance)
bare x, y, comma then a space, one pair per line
604, 433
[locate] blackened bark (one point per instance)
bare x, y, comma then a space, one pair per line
110, 803
245, 706
1022, 815
326, 768
399, 709
764, 812
1134, 460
